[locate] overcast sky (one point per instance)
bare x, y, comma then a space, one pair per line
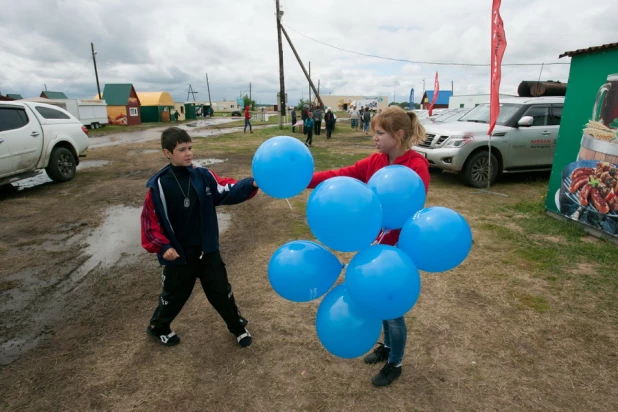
167, 45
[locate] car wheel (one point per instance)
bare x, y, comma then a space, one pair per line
476, 169
62, 165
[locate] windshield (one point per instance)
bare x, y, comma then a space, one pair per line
480, 114
450, 115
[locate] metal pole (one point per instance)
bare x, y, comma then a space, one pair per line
302, 66
281, 82
208, 86
96, 73
249, 92
310, 102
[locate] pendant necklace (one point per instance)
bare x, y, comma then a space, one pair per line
187, 201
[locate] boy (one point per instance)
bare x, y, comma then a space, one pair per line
179, 224
309, 125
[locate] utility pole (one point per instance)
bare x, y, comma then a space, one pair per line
281, 101
318, 86
191, 92
96, 73
249, 91
302, 66
208, 86
310, 102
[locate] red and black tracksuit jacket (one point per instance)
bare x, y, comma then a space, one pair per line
157, 233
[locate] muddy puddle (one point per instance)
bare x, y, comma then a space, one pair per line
43, 178
37, 180
89, 164
208, 162
200, 129
141, 152
35, 303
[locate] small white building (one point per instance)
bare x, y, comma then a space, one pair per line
471, 100
226, 106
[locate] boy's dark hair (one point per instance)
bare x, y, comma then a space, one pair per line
172, 136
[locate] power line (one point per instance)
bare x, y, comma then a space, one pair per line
420, 62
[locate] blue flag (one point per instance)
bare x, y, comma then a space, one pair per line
412, 99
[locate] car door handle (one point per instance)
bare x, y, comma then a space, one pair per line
545, 133
1, 140
34, 134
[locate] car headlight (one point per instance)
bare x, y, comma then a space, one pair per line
457, 141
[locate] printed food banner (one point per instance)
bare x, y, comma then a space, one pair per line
584, 181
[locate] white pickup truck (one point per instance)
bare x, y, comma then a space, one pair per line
36, 136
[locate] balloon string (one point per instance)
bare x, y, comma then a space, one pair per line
289, 204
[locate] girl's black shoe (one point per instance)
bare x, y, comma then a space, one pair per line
387, 375
379, 354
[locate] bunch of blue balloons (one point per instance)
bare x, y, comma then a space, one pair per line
381, 282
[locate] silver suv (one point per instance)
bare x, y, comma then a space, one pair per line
523, 140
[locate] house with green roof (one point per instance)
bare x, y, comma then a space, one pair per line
14, 96
123, 104
53, 95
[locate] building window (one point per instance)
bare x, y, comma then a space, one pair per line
461, 105
132, 111
231, 106
182, 109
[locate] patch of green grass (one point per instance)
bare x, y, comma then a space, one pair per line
300, 230
536, 303
555, 261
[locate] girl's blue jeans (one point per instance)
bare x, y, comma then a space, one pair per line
395, 334
248, 123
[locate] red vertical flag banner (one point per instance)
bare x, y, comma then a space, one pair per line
436, 92
498, 45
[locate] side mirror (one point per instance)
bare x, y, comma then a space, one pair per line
526, 121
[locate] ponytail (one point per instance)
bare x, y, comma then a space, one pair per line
394, 119
417, 130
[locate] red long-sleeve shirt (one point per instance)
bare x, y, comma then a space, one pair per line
365, 168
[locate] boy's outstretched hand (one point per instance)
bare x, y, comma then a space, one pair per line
171, 254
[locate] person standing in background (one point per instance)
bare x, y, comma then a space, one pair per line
293, 114
329, 120
317, 119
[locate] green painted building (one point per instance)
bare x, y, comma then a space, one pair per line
590, 85
156, 106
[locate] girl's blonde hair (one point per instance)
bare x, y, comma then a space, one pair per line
394, 119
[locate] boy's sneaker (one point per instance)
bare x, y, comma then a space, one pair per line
244, 338
379, 354
387, 375
169, 339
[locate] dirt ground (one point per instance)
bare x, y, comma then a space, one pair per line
513, 328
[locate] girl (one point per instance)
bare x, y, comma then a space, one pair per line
395, 132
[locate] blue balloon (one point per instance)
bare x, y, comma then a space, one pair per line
401, 192
340, 328
436, 239
301, 270
344, 214
282, 167
382, 282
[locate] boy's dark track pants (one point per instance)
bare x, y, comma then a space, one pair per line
178, 282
